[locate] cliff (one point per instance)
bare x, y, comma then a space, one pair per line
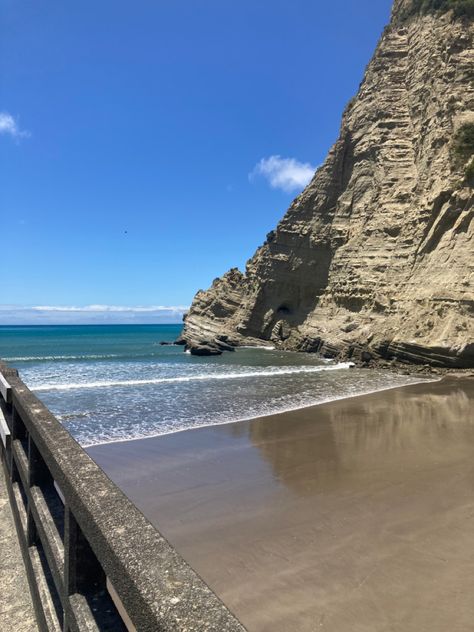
376, 256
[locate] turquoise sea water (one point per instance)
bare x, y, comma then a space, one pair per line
116, 382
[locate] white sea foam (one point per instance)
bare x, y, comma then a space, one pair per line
275, 371
62, 357
409, 381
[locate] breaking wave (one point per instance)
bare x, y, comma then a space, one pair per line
52, 358
276, 371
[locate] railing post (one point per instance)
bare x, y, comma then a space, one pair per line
31, 532
38, 473
18, 427
81, 568
83, 573
18, 431
70, 560
70, 552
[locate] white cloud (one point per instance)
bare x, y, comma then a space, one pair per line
107, 308
9, 126
287, 174
89, 314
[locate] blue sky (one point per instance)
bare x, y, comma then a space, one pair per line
148, 147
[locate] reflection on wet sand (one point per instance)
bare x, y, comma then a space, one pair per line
352, 516
332, 444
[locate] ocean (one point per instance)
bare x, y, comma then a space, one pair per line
109, 383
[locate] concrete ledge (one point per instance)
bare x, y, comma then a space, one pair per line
158, 590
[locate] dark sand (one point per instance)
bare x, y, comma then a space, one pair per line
352, 516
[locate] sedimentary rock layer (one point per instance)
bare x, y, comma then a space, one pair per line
377, 253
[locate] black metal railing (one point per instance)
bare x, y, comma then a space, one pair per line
93, 560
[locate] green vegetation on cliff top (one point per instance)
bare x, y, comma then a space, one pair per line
460, 8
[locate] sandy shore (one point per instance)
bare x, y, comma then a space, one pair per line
351, 516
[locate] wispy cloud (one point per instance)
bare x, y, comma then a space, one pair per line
9, 126
89, 314
287, 174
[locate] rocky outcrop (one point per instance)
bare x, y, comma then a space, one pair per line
377, 254
202, 349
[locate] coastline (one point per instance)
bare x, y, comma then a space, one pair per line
422, 379
350, 515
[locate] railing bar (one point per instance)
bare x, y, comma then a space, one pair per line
81, 614
44, 594
4, 431
19, 518
20, 507
5, 389
21, 461
48, 534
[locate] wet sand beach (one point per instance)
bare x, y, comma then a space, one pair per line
351, 516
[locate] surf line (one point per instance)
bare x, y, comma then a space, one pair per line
191, 378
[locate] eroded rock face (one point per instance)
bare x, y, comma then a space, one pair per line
377, 253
